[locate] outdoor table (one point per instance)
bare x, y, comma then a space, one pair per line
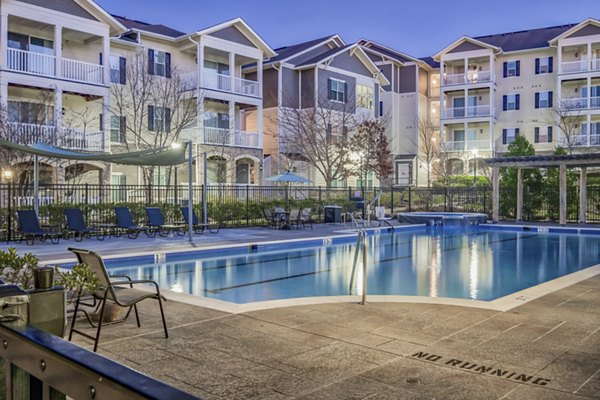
282, 216
109, 230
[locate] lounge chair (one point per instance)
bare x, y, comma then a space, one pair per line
197, 226
271, 221
125, 222
306, 217
157, 221
30, 228
119, 292
76, 225
380, 216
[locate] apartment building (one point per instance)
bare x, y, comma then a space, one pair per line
411, 99
324, 72
519, 83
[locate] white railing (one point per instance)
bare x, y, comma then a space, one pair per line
575, 104
246, 86
70, 138
189, 81
467, 145
213, 80
571, 67
246, 139
82, 71
216, 136
594, 102
478, 76
469, 112
31, 62
595, 64
454, 79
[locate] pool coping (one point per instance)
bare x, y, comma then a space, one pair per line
505, 303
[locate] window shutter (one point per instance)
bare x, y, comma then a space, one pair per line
167, 65
517, 102
151, 61
150, 118
328, 133
122, 129
504, 69
101, 122
122, 70
550, 62
537, 66
329, 86
381, 108
516, 132
549, 134
100, 60
536, 135
537, 100
518, 73
167, 120
550, 94
504, 135
504, 102
345, 92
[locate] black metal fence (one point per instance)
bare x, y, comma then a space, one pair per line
242, 205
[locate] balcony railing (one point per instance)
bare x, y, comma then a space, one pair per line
246, 86
30, 62
213, 80
580, 103
45, 65
82, 71
69, 138
469, 112
228, 137
595, 64
472, 77
581, 140
573, 67
467, 145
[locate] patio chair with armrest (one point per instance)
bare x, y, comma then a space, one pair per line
76, 225
121, 293
271, 222
306, 217
30, 228
380, 216
125, 222
294, 218
157, 221
198, 226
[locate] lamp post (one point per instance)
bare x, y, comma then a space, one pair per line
8, 176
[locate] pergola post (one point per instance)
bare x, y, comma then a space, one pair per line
519, 194
495, 194
582, 195
562, 194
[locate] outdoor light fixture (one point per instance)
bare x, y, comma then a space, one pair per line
7, 174
175, 145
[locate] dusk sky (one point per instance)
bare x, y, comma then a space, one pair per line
418, 28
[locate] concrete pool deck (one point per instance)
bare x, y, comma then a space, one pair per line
548, 348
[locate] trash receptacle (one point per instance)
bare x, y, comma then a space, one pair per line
13, 303
332, 214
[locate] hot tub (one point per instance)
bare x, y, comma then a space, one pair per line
442, 218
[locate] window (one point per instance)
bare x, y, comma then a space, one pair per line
118, 192
159, 63
540, 137
336, 90
511, 68
159, 119
511, 102
216, 120
543, 65
159, 176
117, 129
543, 100
117, 69
218, 67
594, 129
509, 135
364, 97
30, 113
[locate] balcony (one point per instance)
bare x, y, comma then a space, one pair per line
471, 77
45, 65
246, 87
581, 140
68, 138
574, 67
580, 103
216, 81
228, 137
466, 145
468, 112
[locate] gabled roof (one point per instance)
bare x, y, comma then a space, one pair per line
573, 28
158, 29
462, 40
431, 62
323, 56
381, 49
287, 52
524, 40
101, 14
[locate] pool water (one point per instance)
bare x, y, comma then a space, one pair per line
467, 263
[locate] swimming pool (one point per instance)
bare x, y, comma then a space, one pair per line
467, 263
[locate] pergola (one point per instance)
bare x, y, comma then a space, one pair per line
581, 161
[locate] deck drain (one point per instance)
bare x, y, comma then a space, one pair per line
413, 380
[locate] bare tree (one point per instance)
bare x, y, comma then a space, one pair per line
153, 109
319, 136
429, 147
566, 117
371, 144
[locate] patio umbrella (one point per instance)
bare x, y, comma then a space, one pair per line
288, 177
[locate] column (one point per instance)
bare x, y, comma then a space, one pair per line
57, 50
589, 59
4, 39
492, 72
232, 71
559, 60
58, 133
562, 194
495, 194
106, 59
582, 195
466, 77
232, 122
199, 95
3, 94
106, 123
259, 77
519, 194
259, 125
442, 80
588, 120
200, 64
